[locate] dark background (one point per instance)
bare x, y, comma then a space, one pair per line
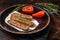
55, 27
4, 3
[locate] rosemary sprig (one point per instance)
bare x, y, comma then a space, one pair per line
18, 8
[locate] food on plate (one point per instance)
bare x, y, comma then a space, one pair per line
28, 9
26, 19
18, 15
27, 16
39, 14
18, 24
21, 20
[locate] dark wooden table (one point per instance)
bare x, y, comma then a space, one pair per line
54, 25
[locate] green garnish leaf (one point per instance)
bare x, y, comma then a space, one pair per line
54, 9
18, 8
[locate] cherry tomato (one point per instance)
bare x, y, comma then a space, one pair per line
39, 14
28, 9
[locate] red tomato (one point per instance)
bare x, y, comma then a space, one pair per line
39, 14
28, 9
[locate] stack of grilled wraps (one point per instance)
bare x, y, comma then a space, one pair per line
22, 21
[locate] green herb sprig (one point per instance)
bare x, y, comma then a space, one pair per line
19, 7
54, 9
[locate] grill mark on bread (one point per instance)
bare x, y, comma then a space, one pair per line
19, 18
